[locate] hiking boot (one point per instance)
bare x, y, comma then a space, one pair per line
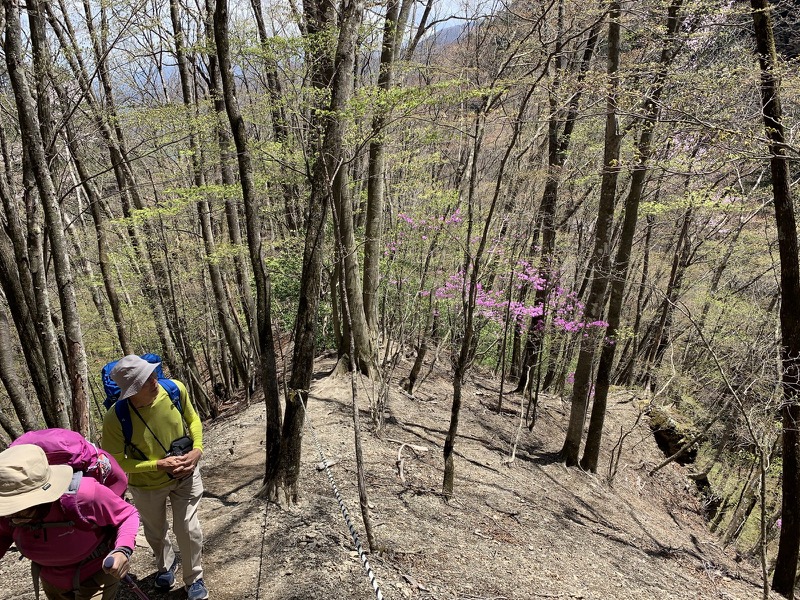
166, 579
197, 591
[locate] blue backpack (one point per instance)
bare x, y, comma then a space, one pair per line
122, 408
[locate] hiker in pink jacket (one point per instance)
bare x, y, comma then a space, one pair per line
66, 524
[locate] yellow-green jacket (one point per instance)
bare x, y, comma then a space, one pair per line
164, 419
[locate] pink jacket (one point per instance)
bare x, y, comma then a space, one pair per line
61, 550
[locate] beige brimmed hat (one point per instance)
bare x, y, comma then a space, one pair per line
27, 480
130, 374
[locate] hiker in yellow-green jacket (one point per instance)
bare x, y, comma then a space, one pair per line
158, 441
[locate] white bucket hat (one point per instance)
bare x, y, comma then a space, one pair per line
27, 480
130, 374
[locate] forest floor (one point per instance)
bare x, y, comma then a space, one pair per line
522, 530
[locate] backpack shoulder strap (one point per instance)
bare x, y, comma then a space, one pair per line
174, 392
122, 408
69, 505
75, 483
175, 396
124, 417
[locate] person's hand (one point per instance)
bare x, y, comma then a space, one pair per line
116, 564
169, 464
187, 464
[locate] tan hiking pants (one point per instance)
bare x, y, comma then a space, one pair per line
184, 496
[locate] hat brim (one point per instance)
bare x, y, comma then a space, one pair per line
141, 378
57, 484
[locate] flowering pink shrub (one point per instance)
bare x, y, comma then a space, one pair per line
563, 305
410, 249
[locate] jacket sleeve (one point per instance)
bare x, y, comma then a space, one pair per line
105, 509
191, 417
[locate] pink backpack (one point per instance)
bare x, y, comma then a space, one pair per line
65, 447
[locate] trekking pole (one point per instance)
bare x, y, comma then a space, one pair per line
109, 562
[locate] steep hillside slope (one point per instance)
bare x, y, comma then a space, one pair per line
522, 530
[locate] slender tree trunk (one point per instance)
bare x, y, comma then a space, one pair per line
17, 284
393, 28
338, 179
229, 180
625, 375
204, 212
102, 240
601, 255
95, 207
713, 286
291, 193
558, 142
619, 275
269, 373
470, 267
783, 580
54, 403
29, 127
422, 349
8, 375
744, 506
108, 123
660, 339
362, 485
319, 16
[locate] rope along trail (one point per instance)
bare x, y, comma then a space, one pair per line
261, 556
361, 554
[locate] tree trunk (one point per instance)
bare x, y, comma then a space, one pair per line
32, 140
203, 210
393, 28
8, 375
269, 372
108, 124
362, 485
694, 351
102, 240
619, 275
471, 266
337, 177
558, 141
293, 218
744, 505
422, 349
319, 16
54, 403
783, 580
601, 255
626, 372
660, 339
229, 180
17, 284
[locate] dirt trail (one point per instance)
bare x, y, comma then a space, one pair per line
526, 530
